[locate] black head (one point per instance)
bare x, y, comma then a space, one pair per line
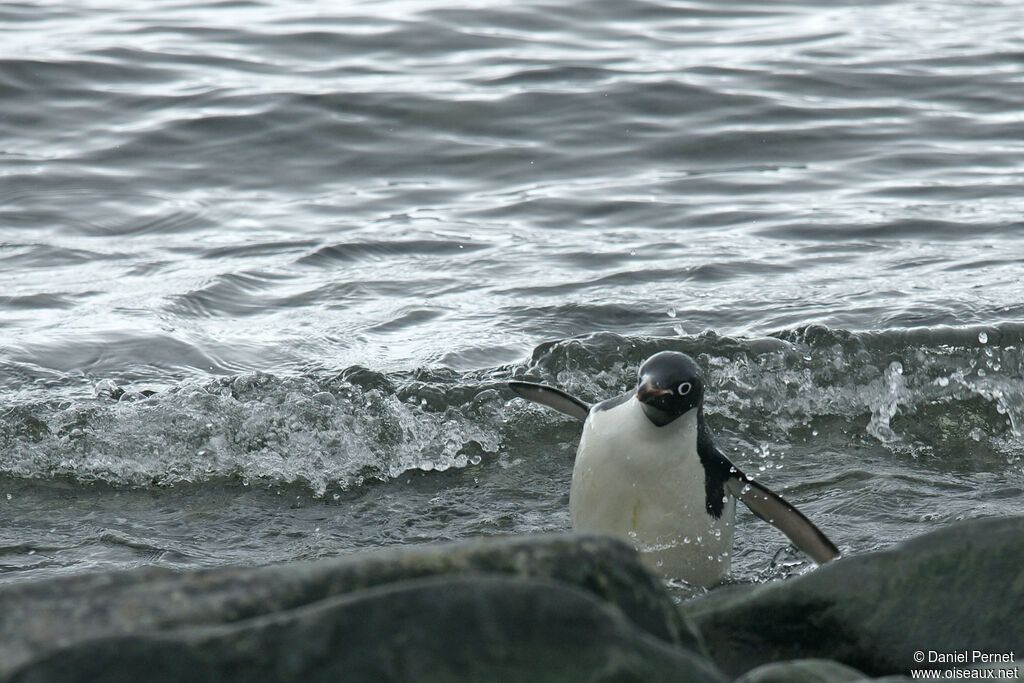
671, 384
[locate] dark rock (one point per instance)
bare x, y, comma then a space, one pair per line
802, 671
201, 616
810, 671
438, 629
958, 588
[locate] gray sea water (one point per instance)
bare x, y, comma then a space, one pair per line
266, 266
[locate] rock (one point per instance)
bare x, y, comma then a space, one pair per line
960, 588
802, 671
481, 627
810, 671
488, 596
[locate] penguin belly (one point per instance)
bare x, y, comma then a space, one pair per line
646, 484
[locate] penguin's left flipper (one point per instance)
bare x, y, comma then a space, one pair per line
777, 511
552, 398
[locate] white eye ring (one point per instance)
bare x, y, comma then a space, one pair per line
684, 388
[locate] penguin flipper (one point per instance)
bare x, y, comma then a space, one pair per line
552, 398
777, 511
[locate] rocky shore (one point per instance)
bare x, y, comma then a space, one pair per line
557, 607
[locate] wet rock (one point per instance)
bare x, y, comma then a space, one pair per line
803, 671
437, 629
957, 589
447, 611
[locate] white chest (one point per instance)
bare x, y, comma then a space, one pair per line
646, 483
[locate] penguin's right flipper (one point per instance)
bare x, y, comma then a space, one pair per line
552, 398
781, 514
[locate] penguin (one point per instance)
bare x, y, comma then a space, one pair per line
648, 469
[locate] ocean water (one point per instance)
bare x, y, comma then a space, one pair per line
266, 266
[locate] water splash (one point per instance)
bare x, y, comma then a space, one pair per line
916, 392
253, 428
941, 393
892, 393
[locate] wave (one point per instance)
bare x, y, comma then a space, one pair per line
949, 393
251, 428
917, 391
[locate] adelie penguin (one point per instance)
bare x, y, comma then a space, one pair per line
648, 469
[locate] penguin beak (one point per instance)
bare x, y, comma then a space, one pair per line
649, 397
648, 393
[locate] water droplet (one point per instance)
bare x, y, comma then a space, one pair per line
336, 496
686, 539
9, 496
475, 460
943, 381
814, 432
107, 387
325, 398
659, 563
671, 312
983, 337
981, 372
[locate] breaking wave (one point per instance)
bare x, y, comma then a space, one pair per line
928, 392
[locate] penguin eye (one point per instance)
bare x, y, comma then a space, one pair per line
684, 388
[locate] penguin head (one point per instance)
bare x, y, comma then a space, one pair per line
670, 385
